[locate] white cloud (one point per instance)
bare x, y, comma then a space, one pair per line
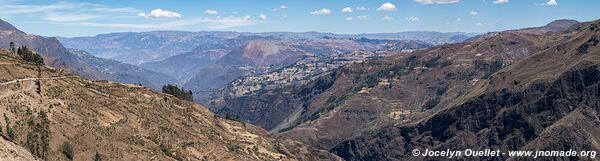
262, 17
282, 7
322, 11
437, 1
362, 17
459, 19
413, 18
347, 10
480, 24
387, 7
211, 12
388, 18
549, 3
159, 13
284, 16
362, 8
349, 18
500, 1
552, 3
247, 17
473, 13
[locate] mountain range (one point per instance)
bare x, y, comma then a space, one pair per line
301, 96
80, 62
205, 62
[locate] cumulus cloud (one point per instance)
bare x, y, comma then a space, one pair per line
387, 7
247, 17
262, 17
473, 13
437, 1
211, 12
159, 13
549, 3
413, 18
349, 18
388, 18
322, 11
500, 1
347, 10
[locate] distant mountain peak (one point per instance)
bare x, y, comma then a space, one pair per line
561, 24
5, 26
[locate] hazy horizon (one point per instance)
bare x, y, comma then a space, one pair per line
75, 18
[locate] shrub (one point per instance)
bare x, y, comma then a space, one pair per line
29, 55
441, 90
97, 157
67, 150
431, 103
38, 139
178, 92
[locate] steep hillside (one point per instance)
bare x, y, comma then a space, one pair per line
193, 62
55, 55
266, 54
397, 89
10, 151
548, 101
79, 62
57, 117
121, 72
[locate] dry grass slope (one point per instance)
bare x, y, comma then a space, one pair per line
124, 122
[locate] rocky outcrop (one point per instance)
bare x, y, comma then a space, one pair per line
10, 151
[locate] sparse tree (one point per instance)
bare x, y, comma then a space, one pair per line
12, 47
178, 92
38, 139
29, 55
9, 131
67, 150
97, 157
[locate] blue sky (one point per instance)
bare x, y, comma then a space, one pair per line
85, 17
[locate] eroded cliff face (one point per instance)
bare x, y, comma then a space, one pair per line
549, 101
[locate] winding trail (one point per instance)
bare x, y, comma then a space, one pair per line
7, 93
32, 79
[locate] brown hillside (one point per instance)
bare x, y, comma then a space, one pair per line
404, 88
548, 101
124, 122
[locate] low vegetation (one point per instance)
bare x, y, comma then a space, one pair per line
67, 150
178, 92
27, 54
